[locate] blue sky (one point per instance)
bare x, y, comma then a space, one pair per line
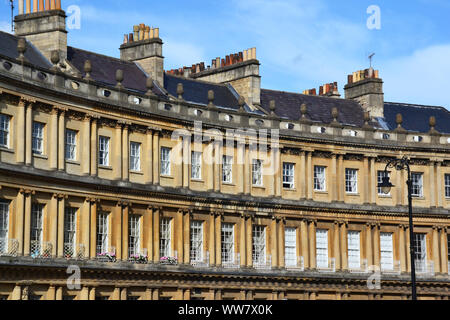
301, 44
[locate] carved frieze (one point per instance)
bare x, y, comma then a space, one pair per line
354, 157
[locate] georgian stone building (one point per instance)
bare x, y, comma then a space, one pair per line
164, 185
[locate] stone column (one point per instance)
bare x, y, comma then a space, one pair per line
305, 244
94, 146
341, 178
219, 239
27, 222
281, 244
59, 293
240, 166
86, 146
344, 252
276, 170
376, 245
369, 253
179, 235
444, 251
92, 293
312, 244
302, 175
16, 293
148, 158
274, 239
242, 241
148, 232
156, 293
336, 247
432, 185
51, 293
212, 239
373, 181
116, 294
156, 254
402, 248
20, 129
123, 294
85, 226
117, 158
61, 211
249, 245
125, 217
116, 229
19, 219
247, 171
217, 161
93, 233
186, 161
61, 140
28, 134
84, 294
156, 160
436, 253
186, 236
309, 175
366, 182
125, 154
333, 183
439, 191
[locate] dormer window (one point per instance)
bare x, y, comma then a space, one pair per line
385, 136
198, 112
417, 138
321, 130
353, 133
290, 126
228, 118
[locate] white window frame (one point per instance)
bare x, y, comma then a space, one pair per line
290, 247
417, 184
354, 249
387, 251
4, 226
165, 161
38, 137
351, 181
320, 178
258, 245
70, 227
37, 225
165, 240
134, 234
288, 175
227, 169
227, 243
103, 150
196, 165
135, 156
420, 251
5, 122
257, 178
380, 176
102, 233
322, 249
196, 241
71, 145
447, 185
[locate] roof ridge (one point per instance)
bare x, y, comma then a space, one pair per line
306, 95
195, 80
104, 55
418, 105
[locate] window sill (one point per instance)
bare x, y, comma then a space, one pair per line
40, 156
259, 187
6, 149
105, 167
290, 189
137, 172
353, 194
321, 192
73, 162
167, 176
418, 198
197, 180
233, 185
383, 196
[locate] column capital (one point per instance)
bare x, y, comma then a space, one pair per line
60, 196
124, 203
92, 200
27, 192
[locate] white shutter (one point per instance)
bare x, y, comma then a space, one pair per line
354, 258
322, 249
387, 255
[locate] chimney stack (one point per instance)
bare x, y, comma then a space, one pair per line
145, 47
44, 25
366, 87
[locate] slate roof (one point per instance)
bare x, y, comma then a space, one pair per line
319, 107
197, 91
416, 117
8, 48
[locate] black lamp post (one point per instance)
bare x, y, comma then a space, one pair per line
386, 185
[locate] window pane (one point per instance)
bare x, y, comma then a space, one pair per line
257, 172
165, 161
103, 151
259, 245
196, 165
351, 181
135, 156
70, 225
38, 138
4, 226
319, 179
134, 235
196, 241
227, 243
164, 236
322, 249
102, 233
4, 130
420, 251
447, 185
71, 144
290, 245
227, 169
417, 184
354, 258
387, 254
381, 175
288, 175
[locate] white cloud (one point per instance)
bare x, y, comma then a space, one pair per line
421, 78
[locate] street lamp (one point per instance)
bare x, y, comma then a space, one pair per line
386, 186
